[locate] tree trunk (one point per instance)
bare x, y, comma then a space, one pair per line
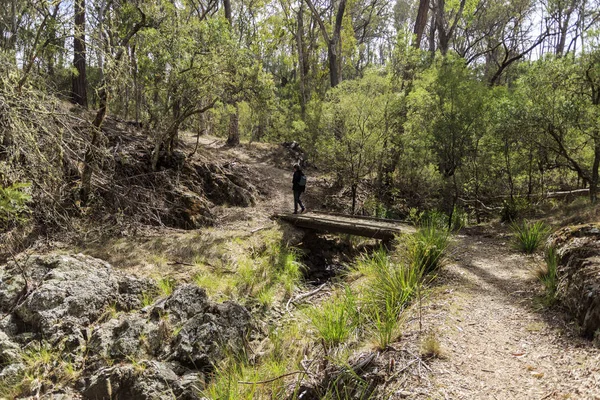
78, 80
334, 78
301, 60
432, 28
354, 189
227, 8
595, 166
233, 138
420, 22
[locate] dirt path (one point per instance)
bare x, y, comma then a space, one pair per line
495, 344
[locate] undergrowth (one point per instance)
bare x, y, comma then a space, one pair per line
528, 236
42, 365
367, 307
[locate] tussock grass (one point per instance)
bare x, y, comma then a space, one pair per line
547, 274
336, 320
430, 346
166, 286
528, 236
387, 288
426, 248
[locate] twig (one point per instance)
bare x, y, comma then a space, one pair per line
180, 263
303, 296
407, 366
272, 379
258, 229
549, 395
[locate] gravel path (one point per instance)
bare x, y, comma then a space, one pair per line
497, 342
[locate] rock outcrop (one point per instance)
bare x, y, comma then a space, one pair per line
578, 249
80, 307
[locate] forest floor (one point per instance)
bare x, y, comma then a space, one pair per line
497, 340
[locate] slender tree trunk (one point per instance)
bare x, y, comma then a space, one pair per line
79, 80
89, 159
530, 174
595, 166
354, 188
233, 138
420, 22
334, 77
227, 9
432, 28
301, 60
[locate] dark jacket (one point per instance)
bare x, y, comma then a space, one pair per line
296, 181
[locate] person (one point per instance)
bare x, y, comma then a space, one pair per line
297, 188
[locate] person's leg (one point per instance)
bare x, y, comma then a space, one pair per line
296, 200
300, 201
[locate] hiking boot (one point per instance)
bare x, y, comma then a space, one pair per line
295, 212
303, 209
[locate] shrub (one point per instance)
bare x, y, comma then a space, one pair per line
13, 204
512, 209
528, 236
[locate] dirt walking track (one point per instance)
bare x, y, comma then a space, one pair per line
496, 342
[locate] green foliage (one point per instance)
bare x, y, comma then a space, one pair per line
337, 319
447, 104
548, 275
529, 235
166, 286
512, 209
425, 249
13, 204
353, 134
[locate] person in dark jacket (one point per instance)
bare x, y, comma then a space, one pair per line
297, 188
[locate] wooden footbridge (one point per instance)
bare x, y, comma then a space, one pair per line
376, 228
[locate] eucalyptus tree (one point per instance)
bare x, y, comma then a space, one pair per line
79, 77
355, 129
447, 106
562, 99
331, 12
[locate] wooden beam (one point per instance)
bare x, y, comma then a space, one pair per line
348, 224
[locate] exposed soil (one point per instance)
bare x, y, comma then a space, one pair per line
497, 341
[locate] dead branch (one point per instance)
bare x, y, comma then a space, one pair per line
303, 296
272, 379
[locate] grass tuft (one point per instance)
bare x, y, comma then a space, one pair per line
430, 346
528, 236
547, 274
337, 319
425, 249
166, 286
